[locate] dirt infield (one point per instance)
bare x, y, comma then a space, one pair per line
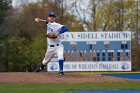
47, 77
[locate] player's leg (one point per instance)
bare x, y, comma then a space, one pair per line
48, 56
60, 51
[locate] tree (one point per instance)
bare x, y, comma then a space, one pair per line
62, 8
24, 48
5, 5
87, 14
108, 15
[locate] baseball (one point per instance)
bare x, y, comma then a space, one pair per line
37, 19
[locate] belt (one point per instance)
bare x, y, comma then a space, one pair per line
54, 45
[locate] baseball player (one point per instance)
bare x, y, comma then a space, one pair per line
54, 30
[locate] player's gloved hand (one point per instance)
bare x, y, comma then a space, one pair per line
51, 35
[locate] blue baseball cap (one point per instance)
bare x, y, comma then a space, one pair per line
53, 14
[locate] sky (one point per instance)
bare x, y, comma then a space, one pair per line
81, 3
16, 3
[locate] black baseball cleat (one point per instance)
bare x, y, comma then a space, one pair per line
41, 68
61, 73
38, 70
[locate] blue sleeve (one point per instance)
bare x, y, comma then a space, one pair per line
63, 29
46, 22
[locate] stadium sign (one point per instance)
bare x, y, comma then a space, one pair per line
95, 51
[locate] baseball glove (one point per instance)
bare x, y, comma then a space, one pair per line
51, 35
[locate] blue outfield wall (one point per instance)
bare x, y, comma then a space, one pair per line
128, 76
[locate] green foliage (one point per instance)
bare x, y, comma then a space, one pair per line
35, 52
21, 54
135, 56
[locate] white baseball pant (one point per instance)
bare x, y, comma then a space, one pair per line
51, 51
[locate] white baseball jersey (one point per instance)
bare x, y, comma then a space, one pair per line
57, 49
53, 28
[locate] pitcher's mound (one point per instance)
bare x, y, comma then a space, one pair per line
49, 77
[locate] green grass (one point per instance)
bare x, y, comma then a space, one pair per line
63, 88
